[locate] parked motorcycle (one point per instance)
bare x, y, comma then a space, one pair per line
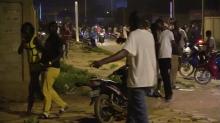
209, 70
191, 58
109, 97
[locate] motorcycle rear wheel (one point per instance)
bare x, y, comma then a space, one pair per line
202, 76
103, 109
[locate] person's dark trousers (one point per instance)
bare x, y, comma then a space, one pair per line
137, 109
165, 66
34, 89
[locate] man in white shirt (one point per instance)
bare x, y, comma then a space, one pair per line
140, 52
211, 44
165, 54
183, 39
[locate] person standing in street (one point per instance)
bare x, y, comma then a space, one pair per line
166, 40
210, 43
141, 60
51, 58
33, 47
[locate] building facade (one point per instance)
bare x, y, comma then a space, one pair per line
14, 75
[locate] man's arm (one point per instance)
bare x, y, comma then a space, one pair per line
39, 44
21, 47
115, 57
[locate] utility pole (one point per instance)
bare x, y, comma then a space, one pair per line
202, 26
85, 11
76, 21
173, 8
111, 7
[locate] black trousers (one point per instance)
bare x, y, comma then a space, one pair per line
34, 89
165, 66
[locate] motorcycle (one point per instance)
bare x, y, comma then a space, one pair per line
191, 58
109, 97
209, 70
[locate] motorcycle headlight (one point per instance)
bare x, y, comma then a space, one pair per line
187, 50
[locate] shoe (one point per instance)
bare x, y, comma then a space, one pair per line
48, 116
175, 87
168, 98
62, 110
44, 116
157, 93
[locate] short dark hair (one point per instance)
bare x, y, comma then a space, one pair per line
208, 32
51, 24
27, 28
138, 20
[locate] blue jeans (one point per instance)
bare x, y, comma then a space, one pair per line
137, 109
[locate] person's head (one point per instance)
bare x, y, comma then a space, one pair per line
27, 31
52, 28
160, 24
208, 33
138, 21
176, 24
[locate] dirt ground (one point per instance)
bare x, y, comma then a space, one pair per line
191, 104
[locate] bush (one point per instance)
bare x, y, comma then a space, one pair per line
70, 75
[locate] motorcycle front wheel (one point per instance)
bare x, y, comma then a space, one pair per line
103, 109
202, 76
186, 69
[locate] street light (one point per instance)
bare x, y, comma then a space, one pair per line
76, 21
172, 9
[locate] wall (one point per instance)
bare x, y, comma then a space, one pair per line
14, 73
213, 24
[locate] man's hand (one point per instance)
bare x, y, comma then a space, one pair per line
96, 64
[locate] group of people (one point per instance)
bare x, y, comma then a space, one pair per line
44, 60
152, 52
150, 49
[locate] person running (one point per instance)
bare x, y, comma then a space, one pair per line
51, 58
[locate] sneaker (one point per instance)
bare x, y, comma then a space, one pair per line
62, 110
168, 99
44, 115
157, 93
48, 116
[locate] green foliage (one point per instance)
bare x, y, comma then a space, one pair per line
32, 119
70, 75
115, 78
113, 66
100, 50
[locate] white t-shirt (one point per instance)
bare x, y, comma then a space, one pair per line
212, 43
125, 30
165, 39
141, 60
183, 37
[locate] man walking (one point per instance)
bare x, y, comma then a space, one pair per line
140, 52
